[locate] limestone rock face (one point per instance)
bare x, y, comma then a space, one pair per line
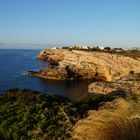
42, 55
127, 84
52, 54
50, 73
91, 65
99, 65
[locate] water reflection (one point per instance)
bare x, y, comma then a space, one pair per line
72, 89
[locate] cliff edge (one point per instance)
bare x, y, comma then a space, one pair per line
76, 64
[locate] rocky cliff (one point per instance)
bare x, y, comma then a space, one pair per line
77, 64
127, 84
52, 54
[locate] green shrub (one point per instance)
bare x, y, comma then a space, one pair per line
25, 114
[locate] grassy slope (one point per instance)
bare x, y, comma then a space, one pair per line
116, 120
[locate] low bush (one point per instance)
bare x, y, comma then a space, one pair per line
25, 114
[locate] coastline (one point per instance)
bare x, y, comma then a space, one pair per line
102, 68
43, 112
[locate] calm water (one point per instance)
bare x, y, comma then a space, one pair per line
13, 67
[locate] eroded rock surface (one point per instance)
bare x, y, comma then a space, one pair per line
77, 64
127, 84
52, 55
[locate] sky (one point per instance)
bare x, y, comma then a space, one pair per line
114, 23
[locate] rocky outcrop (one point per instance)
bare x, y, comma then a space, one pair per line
125, 84
52, 54
87, 65
49, 73
99, 65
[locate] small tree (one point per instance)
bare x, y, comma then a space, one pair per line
107, 48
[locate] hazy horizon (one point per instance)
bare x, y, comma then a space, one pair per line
47, 46
27, 23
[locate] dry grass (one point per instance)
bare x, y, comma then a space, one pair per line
130, 53
117, 120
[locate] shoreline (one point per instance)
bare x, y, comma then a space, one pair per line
102, 68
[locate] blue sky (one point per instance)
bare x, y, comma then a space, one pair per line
114, 23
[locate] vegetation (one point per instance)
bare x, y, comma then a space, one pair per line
116, 120
25, 114
91, 102
65, 47
134, 53
107, 48
30, 115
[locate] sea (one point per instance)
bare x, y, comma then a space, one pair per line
14, 65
